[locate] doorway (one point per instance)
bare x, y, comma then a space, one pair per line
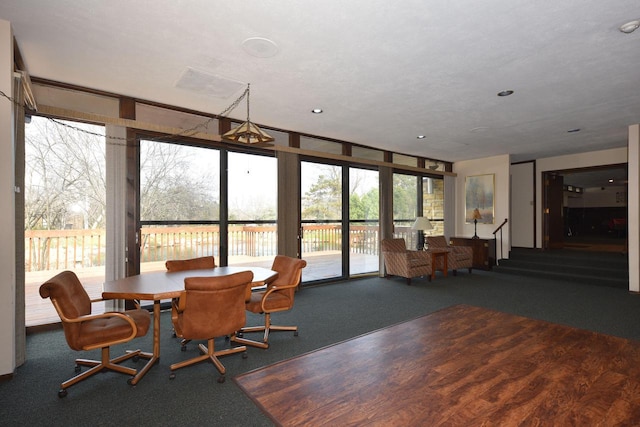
593, 209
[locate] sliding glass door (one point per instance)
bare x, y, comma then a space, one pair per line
364, 225
252, 199
179, 203
321, 220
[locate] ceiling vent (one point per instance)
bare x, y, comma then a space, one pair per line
208, 85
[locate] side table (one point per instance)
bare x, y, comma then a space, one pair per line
435, 254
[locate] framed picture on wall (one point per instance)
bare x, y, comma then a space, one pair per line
479, 198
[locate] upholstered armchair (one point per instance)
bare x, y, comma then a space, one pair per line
85, 331
458, 257
399, 261
279, 296
211, 307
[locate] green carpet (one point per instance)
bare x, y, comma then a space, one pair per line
325, 314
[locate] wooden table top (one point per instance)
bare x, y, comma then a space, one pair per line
159, 285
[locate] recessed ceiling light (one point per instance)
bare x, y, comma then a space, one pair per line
317, 111
260, 47
574, 130
505, 93
630, 26
421, 137
611, 180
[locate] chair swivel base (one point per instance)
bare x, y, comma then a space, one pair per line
104, 364
210, 353
239, 337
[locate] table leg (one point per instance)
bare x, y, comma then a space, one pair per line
155, 356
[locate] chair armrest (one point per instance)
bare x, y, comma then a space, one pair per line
419, 255
107, 315
271, 289
180, 302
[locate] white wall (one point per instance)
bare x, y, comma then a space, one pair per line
522, 216
7, 195
575, 161
498, 166
596, 197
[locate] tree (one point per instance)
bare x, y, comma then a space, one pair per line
170, 190
65, 175
405, 196
323, 200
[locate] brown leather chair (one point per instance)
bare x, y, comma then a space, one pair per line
200, 263
190, 264
279, 296
399, 261
458, 256
211, 307
84, 331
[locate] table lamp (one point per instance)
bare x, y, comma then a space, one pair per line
476, 216
421, 224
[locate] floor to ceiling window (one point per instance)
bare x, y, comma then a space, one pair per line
433, 204
415, 196
252, 199
179, 203
322, 218
405, 208
183, 203
65, 196
364, 225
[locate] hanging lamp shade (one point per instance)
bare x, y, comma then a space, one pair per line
247, 132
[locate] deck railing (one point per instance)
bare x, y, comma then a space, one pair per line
69, 249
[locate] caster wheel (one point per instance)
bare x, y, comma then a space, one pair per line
136, 358
221, 379
226, 337
183, 348
239, 334
174, 335
295, 333
245, 355
62, 393
130, 382
172, 376
78, 369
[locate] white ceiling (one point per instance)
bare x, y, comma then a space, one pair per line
382, 71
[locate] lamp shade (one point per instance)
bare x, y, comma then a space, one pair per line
422, 223
248, 133
476, 214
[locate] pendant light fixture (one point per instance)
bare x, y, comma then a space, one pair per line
247, 132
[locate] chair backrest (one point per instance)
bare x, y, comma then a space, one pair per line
214, 306
190, 264
289, 273
393, 245
437, 242
70, 300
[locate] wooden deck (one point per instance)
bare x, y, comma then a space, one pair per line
461, 366
321, 265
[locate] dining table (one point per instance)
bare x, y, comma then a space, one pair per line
162, 285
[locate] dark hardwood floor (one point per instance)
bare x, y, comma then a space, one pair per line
460, 366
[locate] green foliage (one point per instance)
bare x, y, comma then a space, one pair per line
366, 206
405, 196
323, 201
